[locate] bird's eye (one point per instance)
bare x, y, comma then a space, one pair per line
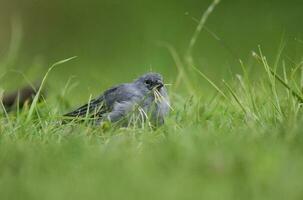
148, 82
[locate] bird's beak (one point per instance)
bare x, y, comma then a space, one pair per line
159, 84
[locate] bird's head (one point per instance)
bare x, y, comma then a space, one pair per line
151, 81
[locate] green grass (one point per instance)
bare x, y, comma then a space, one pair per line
241, 140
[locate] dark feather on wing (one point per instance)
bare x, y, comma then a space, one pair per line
94, 107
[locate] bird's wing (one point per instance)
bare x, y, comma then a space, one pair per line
94, 106
105, 103
121, 93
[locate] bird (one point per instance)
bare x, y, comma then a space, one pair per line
21, 97
143, 100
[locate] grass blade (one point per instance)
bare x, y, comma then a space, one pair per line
235, 96
35, 100
280, 79
210, 82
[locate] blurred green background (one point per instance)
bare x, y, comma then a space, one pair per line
116, 40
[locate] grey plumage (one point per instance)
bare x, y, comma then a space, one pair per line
145, 99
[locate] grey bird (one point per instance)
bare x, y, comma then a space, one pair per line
143, 100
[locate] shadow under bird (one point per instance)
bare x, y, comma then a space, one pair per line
143, 100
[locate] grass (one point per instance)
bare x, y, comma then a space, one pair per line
242, 141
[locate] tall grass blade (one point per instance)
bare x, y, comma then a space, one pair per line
200, 26
35, 100
235, 97
294, 93
210, 82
